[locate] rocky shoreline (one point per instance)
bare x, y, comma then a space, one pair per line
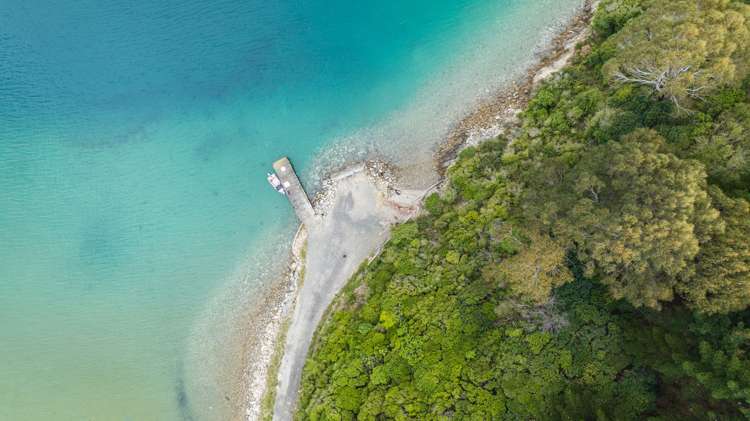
266, 322
499, 114
276, 302
495, 116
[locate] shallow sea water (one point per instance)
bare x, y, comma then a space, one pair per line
135, 219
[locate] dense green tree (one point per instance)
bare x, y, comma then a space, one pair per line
468, 313
724, 147
722, 363
683, 49
702, 361
721, 282
613, 15
416, 334
534, 270
636, 215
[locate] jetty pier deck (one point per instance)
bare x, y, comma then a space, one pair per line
294, 190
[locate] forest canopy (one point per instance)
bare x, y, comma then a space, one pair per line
595, 265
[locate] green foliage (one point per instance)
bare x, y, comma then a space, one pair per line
612, 15
433, 204
723, 145
721, 283
723, 365
437, 348
532, 269
683, 50
503, 300
638, 216
703, 362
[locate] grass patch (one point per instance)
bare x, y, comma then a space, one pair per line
269, 396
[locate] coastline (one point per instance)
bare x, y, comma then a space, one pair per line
279, 302
498, 114
266, 323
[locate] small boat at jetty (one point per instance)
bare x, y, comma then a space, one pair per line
274, 181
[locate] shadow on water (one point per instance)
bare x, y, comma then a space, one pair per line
183, 403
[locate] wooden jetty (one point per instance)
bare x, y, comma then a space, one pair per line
294, 190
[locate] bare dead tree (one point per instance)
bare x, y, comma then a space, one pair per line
659, 80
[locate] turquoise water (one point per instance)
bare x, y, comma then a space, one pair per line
134, 141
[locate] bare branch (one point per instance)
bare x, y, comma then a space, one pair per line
659, 80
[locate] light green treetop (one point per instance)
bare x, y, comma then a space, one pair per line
637, 216
721, 283
683, 49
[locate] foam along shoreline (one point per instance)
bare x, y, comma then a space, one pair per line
485, 63
357, 206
